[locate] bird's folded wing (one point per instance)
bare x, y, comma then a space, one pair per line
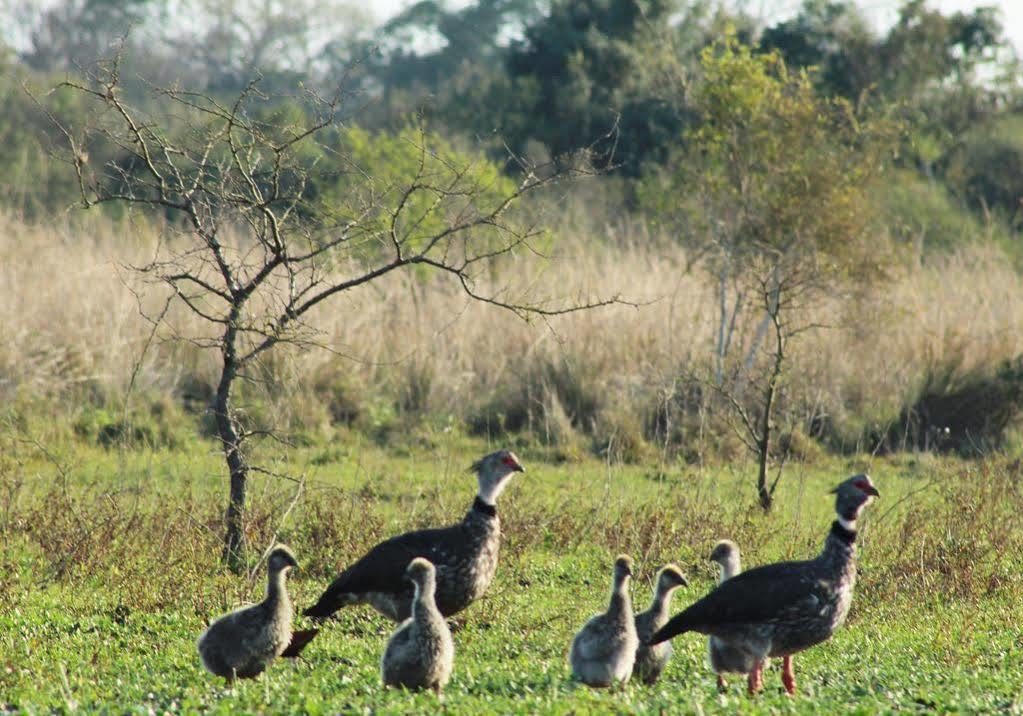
250, 629
757, 595
382, 569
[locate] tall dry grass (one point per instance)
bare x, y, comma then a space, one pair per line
73, 328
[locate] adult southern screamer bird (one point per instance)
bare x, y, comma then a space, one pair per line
778, 610
464, 554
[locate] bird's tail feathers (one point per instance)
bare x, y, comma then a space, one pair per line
669, 631
299, 640
328, 603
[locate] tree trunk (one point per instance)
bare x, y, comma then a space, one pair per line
764, 448
765, 493
230, 440
722, 326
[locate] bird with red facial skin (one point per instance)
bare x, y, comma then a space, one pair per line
778, 610
464, 554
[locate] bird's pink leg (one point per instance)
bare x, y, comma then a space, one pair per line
788, 677
722, 686
754, 682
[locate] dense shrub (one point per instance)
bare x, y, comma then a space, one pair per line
154, 423
967, 414
986, 169
920, 213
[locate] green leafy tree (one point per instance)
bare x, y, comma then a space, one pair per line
833, 37
466, 38
428, 56
377, 168
985, 169
945, 72
772, 192
923, 47
580, 77
35, 184
73, 33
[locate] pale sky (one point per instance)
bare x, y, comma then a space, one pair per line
883, 12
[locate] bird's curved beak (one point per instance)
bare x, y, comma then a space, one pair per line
871, 490
518, 468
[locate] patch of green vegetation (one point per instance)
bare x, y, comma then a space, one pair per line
159, 423
110, 573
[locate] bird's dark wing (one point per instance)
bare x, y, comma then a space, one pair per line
300, 638
757, 595
382, 569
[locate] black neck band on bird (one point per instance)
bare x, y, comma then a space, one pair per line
480, 506
842, 534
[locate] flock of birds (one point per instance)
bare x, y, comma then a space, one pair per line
420, 578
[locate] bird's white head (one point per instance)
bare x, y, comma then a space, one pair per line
493, 472
851, 496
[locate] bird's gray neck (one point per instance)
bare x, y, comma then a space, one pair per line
729, 568
275, 587
840, 546
662, 602
621, 604
423, 603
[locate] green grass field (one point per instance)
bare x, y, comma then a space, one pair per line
110, 573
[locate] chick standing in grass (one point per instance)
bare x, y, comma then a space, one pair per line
651, 660
726, 657
604, 650
243, 643
420, 654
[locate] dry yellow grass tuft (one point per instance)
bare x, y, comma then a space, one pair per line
72, 326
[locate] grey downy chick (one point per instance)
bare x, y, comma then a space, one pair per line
420, 654
604, 650
242, 644
651, 660
727, 657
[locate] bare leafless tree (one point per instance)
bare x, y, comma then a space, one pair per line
258, 246
782, 290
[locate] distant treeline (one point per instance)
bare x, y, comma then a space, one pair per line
544, 80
